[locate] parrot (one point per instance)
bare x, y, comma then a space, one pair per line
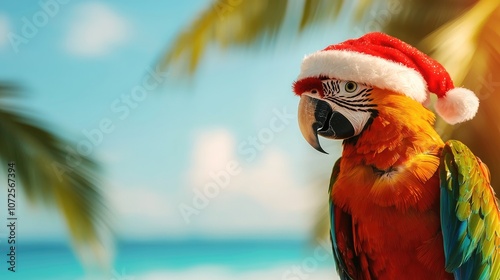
403, 203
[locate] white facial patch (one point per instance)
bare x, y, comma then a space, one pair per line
350, 99
357, 119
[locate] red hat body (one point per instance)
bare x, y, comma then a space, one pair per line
386, 62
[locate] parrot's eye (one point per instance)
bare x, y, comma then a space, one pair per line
350, 86
314, 91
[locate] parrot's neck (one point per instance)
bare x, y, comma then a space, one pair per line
391, 140
393, 162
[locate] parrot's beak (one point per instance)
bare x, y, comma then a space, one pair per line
316, 116
311, 119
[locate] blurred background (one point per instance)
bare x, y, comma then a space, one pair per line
159, 140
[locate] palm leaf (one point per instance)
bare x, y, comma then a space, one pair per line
413, 20
463, 37
315, 11
48, 174
225, 23
469, 47
239, 23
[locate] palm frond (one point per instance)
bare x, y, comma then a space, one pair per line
412, 20
457, 43
233, 23
225, 23
469, 47
50, 175
316, 11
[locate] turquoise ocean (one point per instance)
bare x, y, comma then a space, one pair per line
180, 260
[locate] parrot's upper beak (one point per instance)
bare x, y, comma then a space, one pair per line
316, 116
308, 123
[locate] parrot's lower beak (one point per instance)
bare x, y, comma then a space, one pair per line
316, 116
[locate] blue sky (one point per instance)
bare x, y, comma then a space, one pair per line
237, 111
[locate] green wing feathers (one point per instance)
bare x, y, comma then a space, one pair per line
469, 215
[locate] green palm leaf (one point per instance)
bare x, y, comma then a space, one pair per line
469, 46
240, 23
49, 175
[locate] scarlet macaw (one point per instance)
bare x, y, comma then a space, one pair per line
403, 204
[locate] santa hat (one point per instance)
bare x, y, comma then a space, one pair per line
385, 62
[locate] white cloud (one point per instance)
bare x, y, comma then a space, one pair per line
96, 30
4, 29
272, 184
265, 197
212, 151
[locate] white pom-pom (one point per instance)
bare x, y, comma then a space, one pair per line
458, 105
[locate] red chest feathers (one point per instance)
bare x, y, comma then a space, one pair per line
395, 227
